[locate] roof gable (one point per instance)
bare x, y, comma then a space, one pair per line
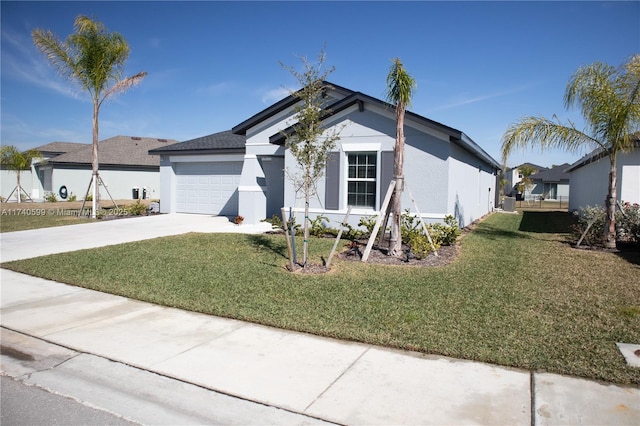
455, 136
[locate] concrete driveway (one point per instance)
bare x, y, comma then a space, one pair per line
39, 242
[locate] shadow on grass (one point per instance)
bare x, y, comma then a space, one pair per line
551, 222
629, 252
278, 247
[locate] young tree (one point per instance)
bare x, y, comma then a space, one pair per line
609, 99
94, 58
311, 142
526, 183
400, 88
17, 161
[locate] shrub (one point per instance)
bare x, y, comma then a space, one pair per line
137, 208
420, 245
72, 197
446, 233
51, 197
238, 220
628, 223
317, 227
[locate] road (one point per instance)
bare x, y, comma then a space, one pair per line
22, 404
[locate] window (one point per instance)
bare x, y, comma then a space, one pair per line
361, 180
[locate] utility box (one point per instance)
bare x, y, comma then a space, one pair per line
135, 193
509, 204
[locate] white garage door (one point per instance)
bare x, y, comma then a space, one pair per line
208, 188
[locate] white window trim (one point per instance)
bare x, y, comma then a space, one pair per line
345, 175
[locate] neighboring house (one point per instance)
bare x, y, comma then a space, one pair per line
446, 171
29, 178
590, 178
124, 165
513, 177
551, 184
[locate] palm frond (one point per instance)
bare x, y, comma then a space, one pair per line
530, 132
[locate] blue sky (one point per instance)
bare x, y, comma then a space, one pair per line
479, 65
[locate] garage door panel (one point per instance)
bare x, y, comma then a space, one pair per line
208, 188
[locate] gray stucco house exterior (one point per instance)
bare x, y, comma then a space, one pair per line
244, 171
124, 164
590, 178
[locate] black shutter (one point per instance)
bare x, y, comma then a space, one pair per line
386, 174
332, 182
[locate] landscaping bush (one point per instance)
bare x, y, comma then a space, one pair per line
50, 197
137, 208
627, 224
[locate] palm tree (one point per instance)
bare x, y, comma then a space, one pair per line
400, 87
609, 99
17, 161
94, 58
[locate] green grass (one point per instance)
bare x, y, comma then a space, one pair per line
516, 296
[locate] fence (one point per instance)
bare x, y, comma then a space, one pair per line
537, 202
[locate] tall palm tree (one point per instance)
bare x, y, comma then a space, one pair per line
95, 58
609, 99
17, 161
400, 88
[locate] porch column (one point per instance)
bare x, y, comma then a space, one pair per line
252, 199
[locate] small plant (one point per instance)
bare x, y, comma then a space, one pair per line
72, 197
420, 245
369, 222
446, 233
317, 226
594, 215
137, 208
238, 220
628, 223
51, 197
275, 221
89, 197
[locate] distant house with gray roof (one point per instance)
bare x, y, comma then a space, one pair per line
124, 164
551, 184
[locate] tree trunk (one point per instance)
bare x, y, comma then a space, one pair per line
19, 188
94, 163
609, 237
395, 243
305, 242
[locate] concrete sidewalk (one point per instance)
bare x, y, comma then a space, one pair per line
315, 377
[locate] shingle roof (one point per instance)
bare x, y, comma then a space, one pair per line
57, 148
554, 174
215, 142
117, 151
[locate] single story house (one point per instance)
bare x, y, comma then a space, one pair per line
551, 184
445, 170
29, 179
590, 178
124, 165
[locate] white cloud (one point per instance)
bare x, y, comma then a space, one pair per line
216, 89
274, 95
467, 100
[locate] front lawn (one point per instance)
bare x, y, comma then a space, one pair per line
25, 216
516, 295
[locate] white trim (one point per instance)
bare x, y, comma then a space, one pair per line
251, 188
366, 212
361, 147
